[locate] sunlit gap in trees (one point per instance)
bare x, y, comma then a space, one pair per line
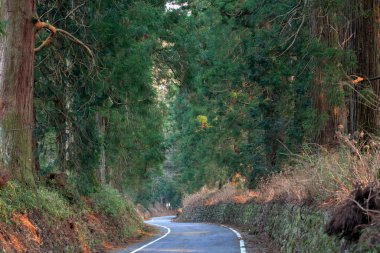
172, 5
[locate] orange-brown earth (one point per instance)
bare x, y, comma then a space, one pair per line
34, 232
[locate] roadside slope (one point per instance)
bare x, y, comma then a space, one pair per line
52, 220
293, 228
323, 203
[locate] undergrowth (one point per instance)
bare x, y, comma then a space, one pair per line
15, 198
65, 220
113, 204
343, 182
110, 202
324, 179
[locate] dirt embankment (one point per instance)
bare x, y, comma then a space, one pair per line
87, 232
45, 219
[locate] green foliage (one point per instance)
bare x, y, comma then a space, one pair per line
250, 75
214, 87
161, 187
110, 202
82, 110
17, 198
53, 203
203, 121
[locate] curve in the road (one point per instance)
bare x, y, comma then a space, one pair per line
242, 244
148, 244
190, 237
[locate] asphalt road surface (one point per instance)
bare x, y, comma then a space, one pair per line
189, 237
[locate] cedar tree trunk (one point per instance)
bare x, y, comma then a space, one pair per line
16, 89
366, 31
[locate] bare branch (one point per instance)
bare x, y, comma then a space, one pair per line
294, 37
53, 31
77, 41
363, 209
72, 11
344, 139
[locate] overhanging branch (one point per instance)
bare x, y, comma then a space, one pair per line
53, 32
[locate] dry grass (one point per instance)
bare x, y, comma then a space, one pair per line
234, 191
199, 198
229, 193
325, 178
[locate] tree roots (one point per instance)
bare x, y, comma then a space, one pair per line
355, 213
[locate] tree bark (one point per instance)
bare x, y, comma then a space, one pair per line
366, 44
16, 89
102, 124
330, 116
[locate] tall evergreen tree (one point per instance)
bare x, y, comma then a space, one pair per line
16, 90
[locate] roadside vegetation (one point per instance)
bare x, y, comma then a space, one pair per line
323, 180
285, 111
343, 184
49, 219
83, 145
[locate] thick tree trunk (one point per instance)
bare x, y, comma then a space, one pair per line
331, 115
16, 90
366, 44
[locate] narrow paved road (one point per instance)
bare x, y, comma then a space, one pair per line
188, 237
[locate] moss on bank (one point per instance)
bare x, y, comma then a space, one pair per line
45, 219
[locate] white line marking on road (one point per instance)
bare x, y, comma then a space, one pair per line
162, 237
242, 245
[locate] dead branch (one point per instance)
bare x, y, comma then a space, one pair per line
53, 31
363, 209
77, 41
345, 140
360, 79
74, 10
295, 36
371, 102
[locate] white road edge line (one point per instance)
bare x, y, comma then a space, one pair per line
242, 244
162, 237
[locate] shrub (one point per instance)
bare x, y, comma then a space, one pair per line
110, 202
53, 203
17, 198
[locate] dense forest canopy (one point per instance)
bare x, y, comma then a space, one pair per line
183, 94
261, 80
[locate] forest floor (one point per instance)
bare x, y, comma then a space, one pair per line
32, 232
